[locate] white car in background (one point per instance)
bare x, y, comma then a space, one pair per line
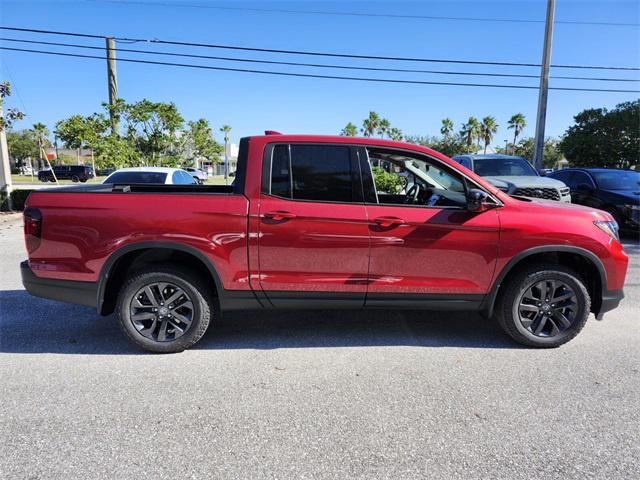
163, 175
199, 175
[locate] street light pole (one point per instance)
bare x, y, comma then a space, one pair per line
544, 85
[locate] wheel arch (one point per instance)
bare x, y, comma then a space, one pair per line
126, 258
575, 257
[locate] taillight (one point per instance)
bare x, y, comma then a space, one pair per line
32, 228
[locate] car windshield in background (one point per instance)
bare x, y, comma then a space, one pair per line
501, 167
618, 180
136, 177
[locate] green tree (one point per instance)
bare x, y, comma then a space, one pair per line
518, 123
23, 145
488, 128
202, 142
551, 156
152, 127
12, 114
447, 128
604, 138
115, 152
371, 124
395, 134
470, 132
73, 132
350, 130
384, 128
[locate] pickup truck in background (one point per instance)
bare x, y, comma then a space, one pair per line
305, 226
515, 176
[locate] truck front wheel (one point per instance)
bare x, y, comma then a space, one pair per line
164, 308
544, 306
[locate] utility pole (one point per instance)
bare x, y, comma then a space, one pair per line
5, 168
112, 81
544, 85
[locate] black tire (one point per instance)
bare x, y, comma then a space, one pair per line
513, 298
75, 178
196, 291
83, 180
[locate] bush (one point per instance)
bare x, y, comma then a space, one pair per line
18, 199
387, 182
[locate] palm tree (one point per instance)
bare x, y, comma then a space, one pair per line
447, 128
489, 127
371, 125
226, 129
42, 134
470, 131
349, 131
517, 122
396, 134
384, 128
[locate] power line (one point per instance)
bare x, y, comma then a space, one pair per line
365, 14
318, 54
309, 75
316, 65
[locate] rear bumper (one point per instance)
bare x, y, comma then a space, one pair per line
81, 293
610, 300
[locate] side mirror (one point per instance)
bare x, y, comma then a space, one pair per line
477, 200
542, 172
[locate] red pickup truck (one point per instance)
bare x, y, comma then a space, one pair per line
315, 222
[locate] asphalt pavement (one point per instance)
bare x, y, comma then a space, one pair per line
329, 394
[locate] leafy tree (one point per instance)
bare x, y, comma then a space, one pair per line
604, 138
74, 132
115, 152
526, 147
152, 127
22, 144
395, 134
488, 128
517, 122
447, 128
350, 130
371, 124
387, 182
12, 114
202, 142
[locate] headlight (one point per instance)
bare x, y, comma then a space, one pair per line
633, 207
608, 227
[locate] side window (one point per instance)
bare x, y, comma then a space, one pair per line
414, 179
582, 178
464, 162
181, 178
281, 172
321, 172
313, 172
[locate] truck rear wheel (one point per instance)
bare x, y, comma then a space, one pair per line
544, 306
164, 308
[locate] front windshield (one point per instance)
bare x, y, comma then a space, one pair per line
503, 167
136, 177
618, 180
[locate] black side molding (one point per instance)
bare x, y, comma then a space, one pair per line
80, 293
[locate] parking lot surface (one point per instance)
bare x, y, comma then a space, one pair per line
339, 394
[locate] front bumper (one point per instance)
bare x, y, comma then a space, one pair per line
610, 300
81, 293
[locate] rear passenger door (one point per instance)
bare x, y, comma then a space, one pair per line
313, 233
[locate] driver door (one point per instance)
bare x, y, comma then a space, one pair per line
434, 251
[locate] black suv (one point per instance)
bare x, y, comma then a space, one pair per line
76, 173
615, 191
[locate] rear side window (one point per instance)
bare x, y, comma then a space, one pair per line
314, 172
321, 172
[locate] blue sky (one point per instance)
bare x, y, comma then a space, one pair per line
51, 88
